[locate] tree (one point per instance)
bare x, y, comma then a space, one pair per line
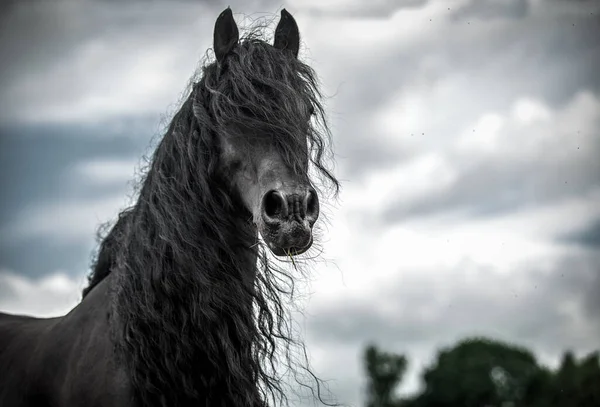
384, 373
575, 384
589, 381
480, 372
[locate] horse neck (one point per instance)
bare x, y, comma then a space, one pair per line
183, 315
221, 253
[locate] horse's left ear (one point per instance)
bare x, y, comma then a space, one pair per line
226, 34
287, 35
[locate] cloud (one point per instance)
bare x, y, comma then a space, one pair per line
503, 242
428, 281
489, 9
66, 222
588, 236
357, 8
415, 287
99, 189
504, 161
88, 169
91, 60
95, 60
50, 296
108, 171
467, 206
471, 299
401, 80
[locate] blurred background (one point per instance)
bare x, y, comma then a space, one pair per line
467, 136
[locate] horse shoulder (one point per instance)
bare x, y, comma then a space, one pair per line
92, 377
63, 362
21, 339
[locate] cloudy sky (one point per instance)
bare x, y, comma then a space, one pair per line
467, 136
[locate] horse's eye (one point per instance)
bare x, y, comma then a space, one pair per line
311, 111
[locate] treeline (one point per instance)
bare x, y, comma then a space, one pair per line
480, 372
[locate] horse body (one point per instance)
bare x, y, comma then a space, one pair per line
71, 361
183, 308
65, 361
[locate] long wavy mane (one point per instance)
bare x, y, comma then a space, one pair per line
106, 255
199, 311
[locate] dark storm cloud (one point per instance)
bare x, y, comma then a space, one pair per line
550, 57
373, 9
34, 159
39, 257
358, 142
496, 186
489, 9
41, 36
580, 277
36, 34
36, 31
37, 37
589, 237
469, 300
378, 8
35, 163
363, 90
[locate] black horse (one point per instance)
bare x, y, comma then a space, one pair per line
184, 307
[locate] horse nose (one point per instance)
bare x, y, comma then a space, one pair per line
285, 206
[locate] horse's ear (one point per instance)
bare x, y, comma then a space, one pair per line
287, 35
226, 34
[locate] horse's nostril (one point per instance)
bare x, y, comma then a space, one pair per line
312, 204
274, 205
279, 206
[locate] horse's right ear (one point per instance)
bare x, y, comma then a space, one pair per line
226, 34
287, 36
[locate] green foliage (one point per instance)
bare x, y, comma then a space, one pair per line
479, 372
574, 384
384, 372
